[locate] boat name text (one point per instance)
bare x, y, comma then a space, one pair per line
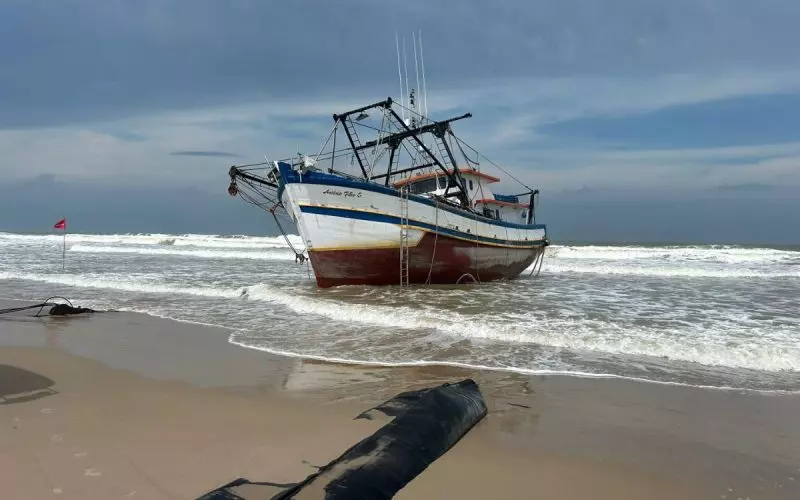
346, 194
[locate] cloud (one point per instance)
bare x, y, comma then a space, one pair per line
566, 170
74, 61
120, 91
733, 154
209, 154
739, 120
535, 108
749, 187
267, 128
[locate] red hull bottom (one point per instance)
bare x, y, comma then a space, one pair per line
446, 260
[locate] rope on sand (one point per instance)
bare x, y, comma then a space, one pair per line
57, 309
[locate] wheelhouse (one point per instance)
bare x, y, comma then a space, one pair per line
479, 192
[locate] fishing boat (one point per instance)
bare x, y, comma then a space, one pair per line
410, 205
430, 219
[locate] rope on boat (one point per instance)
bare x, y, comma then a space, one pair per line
298, 256
469, 160
435, 239
477, 253
466, 275
480, 155
537, 263
233, 190
480, 188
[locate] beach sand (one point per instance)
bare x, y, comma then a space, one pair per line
123, 405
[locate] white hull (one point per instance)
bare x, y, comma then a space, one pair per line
337, 218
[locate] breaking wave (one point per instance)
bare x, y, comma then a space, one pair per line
122, 283
698, 343
718, 313
674, 261
194, 240
257, 254
710, 253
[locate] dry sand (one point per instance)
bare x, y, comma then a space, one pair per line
121, 405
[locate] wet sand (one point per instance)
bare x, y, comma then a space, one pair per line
122, 405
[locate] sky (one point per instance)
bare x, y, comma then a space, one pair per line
639, 120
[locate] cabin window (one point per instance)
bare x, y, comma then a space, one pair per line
497, 213
442, 182
471, 188
524, 214
423, 186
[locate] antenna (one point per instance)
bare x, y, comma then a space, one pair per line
400, 75
405, 63
418, 107
424, 87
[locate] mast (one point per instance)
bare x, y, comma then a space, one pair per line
424, 86
400, 75
418, 108
405, 63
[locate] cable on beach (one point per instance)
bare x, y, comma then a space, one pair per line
57, 309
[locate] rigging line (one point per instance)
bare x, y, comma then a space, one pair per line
252, 165
412, 156
435, 237
410, 110
298, 256
381, 132
480, 188
342, 154
377, 159
255, 189
333, 131
322, 157
257, 204
376, 129
477, 248
255, 193
250, 198
416, 156
333, 152
493, 163
464, 153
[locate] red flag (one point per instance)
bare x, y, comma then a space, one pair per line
62, 224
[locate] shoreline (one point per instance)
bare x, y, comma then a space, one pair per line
443, 364
549, 436
514, 371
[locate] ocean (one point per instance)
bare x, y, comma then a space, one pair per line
704, 315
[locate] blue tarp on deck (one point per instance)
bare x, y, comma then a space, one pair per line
507, 198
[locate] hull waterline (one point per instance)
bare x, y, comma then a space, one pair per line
436, 259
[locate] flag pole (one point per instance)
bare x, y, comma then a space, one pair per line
64, 247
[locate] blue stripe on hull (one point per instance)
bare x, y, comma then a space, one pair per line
391, 219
